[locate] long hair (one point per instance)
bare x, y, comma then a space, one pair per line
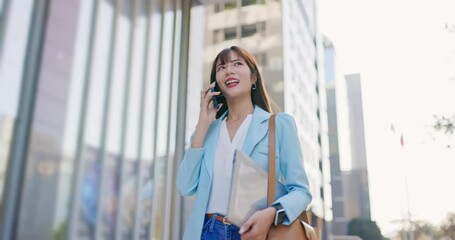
259, 95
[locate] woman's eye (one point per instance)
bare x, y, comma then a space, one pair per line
237, 63
220, 68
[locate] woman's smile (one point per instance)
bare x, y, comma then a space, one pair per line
231, 82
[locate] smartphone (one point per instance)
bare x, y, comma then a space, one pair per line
216, 99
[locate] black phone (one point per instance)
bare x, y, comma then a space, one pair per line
216, 99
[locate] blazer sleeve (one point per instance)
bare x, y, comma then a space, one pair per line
292, 168
189, 170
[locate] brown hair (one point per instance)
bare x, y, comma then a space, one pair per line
259, 95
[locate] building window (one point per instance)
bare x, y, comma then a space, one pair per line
252, 2
218, 36
248, 2
230, 33
249, 30
218, 7
230, 5
261, 59
262, 28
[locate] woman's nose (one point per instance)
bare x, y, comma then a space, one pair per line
229, 69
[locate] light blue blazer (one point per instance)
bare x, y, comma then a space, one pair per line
196, 169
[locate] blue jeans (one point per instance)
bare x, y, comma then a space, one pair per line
216, 230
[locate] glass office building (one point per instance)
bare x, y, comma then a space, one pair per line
90, 118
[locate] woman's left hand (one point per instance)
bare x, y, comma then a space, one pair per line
258, 225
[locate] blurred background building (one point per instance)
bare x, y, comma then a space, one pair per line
359, 168
99, 99
348, 163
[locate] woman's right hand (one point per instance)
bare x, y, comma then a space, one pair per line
208, 113
206, 116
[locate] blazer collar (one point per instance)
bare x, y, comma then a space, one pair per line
258, 129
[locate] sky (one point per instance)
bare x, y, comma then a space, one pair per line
406, 59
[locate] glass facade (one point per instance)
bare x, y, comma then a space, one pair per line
89, 118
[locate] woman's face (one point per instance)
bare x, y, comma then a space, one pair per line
234, 77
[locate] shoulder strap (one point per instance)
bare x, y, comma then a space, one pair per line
272, 165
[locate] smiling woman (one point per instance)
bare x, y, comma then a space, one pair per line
239, 122
236, 59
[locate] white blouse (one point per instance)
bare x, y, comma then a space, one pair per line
222, 172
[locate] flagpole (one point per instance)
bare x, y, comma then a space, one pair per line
410, 231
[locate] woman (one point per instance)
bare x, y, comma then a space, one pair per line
239, 122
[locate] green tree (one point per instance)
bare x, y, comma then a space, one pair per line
447, 228
421, 230
365, 229
444, 124
424, 230
60, 233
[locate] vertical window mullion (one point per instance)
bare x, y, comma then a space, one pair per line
155, 65
105, 123
4, 13
173, 95
177, 209
16, 164
161, 123
125, 109
77, 178
144, 86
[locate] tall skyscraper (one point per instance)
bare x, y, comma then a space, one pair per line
349, 174
284, 38
339, 223
359, 169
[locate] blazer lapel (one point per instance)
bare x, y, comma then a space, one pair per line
258, 129
210, 144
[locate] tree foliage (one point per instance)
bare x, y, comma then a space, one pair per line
365, 229
447, 228
422, 231
60, 233
444, 124
426, 231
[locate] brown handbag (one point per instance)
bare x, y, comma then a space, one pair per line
299, 229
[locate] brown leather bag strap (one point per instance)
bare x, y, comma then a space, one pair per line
272, 169
272, 165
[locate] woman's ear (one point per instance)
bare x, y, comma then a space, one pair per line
254, 78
